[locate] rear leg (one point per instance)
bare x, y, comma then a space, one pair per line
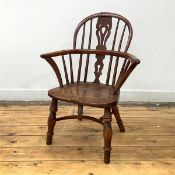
116, 113
80, 112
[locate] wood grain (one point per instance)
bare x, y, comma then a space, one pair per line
147, 147
68, 129
88, 168
87, 140
75, 153
27, 120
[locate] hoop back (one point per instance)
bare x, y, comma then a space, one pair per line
104, 36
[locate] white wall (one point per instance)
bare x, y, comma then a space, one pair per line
31, 27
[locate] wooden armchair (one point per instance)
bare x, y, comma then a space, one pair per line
86, 83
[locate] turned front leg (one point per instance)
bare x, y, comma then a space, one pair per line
51, 121
107, 134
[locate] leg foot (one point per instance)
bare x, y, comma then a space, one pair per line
51, 121
49, 139
107, 134
107, 155
116, 113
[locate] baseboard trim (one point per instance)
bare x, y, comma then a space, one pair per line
126, 95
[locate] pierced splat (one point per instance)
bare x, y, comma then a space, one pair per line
103, 31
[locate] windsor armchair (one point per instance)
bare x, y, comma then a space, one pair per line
86, 83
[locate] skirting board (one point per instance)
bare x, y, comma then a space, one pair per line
126, 95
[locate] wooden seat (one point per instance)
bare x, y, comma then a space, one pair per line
90, 94
95, 45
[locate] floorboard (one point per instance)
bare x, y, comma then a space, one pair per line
146, 148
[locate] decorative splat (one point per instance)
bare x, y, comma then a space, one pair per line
103, 31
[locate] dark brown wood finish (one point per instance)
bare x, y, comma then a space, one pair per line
51, 120
107, 134
102, 37
80, 112
93, 93
116, 113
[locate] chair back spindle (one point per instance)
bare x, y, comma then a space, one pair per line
65, 70
71, 69
80, 60
89, 46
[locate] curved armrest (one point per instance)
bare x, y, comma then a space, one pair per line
130, 62
130, 57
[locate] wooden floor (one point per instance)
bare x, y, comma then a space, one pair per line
146, 148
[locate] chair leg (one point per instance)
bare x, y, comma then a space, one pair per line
51, 121
116, 113
80, 112
107, 134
